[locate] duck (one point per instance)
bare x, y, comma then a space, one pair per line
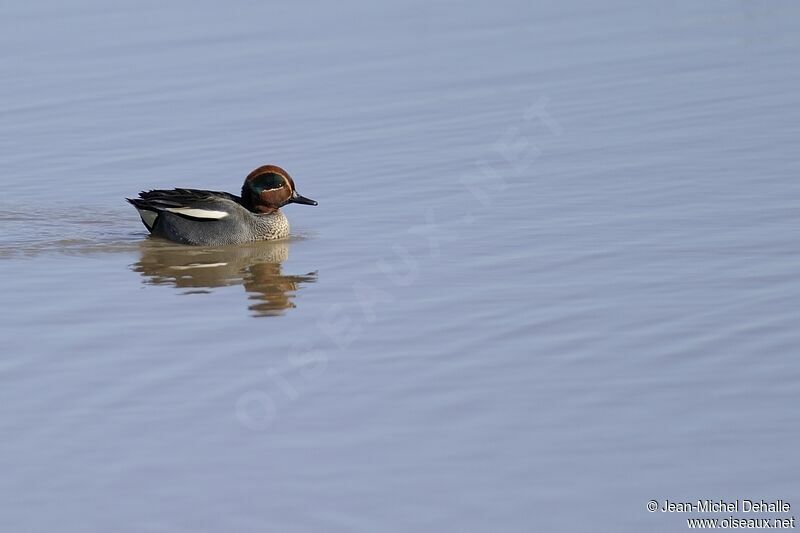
213, 218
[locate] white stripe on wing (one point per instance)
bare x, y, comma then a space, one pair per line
197, 213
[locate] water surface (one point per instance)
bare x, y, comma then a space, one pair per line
552, 275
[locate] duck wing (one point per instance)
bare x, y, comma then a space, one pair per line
193, 204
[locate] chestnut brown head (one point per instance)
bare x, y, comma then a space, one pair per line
268, 188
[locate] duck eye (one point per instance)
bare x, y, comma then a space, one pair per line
269, 181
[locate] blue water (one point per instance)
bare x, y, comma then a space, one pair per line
552, 275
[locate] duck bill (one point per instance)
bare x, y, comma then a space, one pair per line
297, 199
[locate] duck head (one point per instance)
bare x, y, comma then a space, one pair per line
268, 188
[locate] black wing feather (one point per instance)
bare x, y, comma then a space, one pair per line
158, 200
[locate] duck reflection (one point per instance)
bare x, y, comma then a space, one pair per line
256, 266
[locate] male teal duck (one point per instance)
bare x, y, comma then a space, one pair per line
212, 218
